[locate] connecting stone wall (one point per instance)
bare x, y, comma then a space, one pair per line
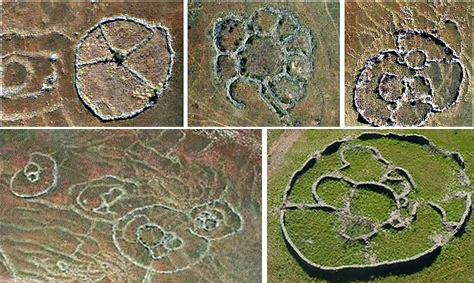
269, 49
405, 86
395, 221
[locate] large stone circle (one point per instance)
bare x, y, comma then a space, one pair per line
123, 65
405, 86
269, 49
354, 221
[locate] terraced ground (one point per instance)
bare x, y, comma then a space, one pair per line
209, 104
325, 238
371, 28
39, 41
130, 206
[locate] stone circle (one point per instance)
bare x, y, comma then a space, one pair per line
357, 226
37, 178
407, 85
30, 72
174, 240
269, 49
122, 67
175, 248
216, 219
97, 198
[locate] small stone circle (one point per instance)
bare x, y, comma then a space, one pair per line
122, 66
37, 178
31, 72
394, 220
406, 85
270, 49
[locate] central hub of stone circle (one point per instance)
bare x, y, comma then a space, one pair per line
263, 57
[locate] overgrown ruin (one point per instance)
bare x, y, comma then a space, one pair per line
339, 194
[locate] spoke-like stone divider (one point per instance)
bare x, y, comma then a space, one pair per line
364, 76
267, 89
394, 221
154, 29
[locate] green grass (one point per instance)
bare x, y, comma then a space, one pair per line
318, 244
408, 242
273, 136
434, 178
363, 165
333, 191
300, 191
376, 206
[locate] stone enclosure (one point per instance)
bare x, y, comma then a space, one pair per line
269, 49
344, 196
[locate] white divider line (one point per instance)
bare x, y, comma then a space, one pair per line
264, 205
342, 58
185, 64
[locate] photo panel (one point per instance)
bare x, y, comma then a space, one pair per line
378, 206
263, 64
130, 206
91, 63
408, 64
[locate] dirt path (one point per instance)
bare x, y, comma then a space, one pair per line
279, 149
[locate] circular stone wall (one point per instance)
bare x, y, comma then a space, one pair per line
351, 209
269, 49
405, 86
123, 65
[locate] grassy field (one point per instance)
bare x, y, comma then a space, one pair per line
434, 179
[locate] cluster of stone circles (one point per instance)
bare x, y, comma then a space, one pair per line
406, 85
269, 49
175, 240
156, 237
122, 66
401, 198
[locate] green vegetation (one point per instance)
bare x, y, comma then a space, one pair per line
376, 206
157, 89
333, 192
394, 244
434, 177
318, 244
363, 165
273, 136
